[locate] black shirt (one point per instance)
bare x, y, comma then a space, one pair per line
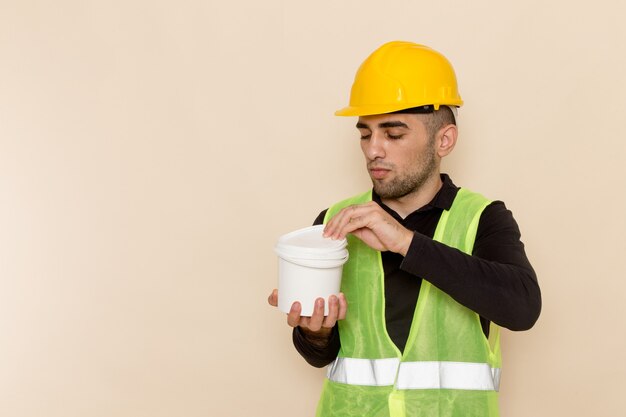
496, 281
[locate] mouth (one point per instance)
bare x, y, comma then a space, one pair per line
378, 172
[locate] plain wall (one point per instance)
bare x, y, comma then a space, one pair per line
151, 152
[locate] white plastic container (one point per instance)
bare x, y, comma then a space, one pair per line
309, 267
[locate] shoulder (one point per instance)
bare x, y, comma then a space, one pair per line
497, 218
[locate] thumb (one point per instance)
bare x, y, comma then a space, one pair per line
273, 298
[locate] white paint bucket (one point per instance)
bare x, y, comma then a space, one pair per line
309, 267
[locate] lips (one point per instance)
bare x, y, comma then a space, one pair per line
379, 173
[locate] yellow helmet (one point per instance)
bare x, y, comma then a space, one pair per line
401, 75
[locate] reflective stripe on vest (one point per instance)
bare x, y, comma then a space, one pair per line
373, 372
448, 375
415, 375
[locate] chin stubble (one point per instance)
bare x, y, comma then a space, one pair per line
412, 181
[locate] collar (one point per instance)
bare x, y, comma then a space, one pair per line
442, 200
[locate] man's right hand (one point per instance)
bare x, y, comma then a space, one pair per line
317, 324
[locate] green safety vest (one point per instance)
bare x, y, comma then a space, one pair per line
448, 367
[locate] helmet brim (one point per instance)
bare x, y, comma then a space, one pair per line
377, 109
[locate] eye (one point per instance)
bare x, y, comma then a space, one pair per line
394, 137
365, 134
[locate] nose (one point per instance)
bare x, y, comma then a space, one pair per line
374, 147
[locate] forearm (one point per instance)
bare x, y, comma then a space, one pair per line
497, 281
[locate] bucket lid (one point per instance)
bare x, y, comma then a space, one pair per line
309, 243
311, 238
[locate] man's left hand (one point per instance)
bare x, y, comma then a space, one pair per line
373, 225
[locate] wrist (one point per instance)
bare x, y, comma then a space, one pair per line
406, 243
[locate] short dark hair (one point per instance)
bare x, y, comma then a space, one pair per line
437, 118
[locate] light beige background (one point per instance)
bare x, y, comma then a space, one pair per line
151, 152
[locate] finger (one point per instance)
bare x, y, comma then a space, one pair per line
343, 307
315, 322
359, 217
273, 298
304, 322
330, 227
333, 311
338, 222
293, 317
381, 231
369, 237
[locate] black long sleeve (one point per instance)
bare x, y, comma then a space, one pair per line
316, 352
496, 281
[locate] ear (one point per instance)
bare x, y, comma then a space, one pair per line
446, 139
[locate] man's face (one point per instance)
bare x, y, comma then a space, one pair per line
399, 153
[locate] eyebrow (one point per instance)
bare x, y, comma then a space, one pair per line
384, 125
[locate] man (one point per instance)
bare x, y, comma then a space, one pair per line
434, 269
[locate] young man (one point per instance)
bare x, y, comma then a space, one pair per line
434, 269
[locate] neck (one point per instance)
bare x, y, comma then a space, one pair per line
416, 199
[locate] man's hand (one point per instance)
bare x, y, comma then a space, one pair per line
373, 225
317, 324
